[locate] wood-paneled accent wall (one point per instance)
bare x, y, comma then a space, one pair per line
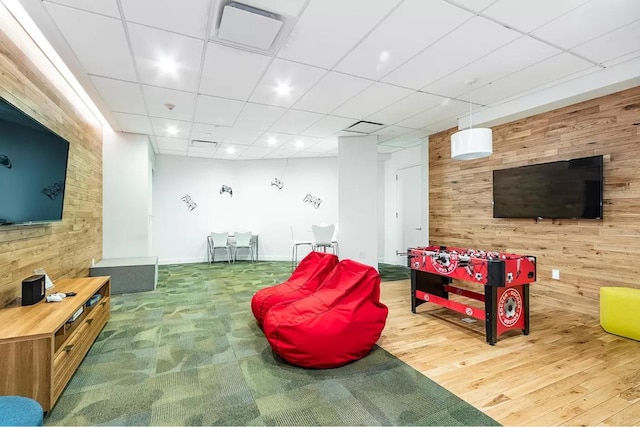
588, 253
66, 248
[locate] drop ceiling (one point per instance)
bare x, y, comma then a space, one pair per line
403, 64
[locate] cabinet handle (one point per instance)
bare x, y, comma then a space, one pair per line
68, 347
89, 321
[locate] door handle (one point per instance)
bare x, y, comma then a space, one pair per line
419, 228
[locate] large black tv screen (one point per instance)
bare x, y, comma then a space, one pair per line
558, 190
33, 169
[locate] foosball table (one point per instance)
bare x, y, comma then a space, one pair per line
505, 277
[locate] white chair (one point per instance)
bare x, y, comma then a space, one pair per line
324, 237
218, 241
243, 241
296, 243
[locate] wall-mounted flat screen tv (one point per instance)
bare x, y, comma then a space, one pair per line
33, 169
567, 189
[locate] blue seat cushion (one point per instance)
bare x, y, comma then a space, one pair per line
20, 411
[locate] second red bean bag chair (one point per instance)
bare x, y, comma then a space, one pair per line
306, 278
338, 323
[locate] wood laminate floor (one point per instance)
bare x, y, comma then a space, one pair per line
567, 371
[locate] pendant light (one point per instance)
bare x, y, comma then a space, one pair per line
472, 143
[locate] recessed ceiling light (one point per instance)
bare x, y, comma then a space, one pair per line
168, 65
283, 89
172, 130
299, 144
231, 150
272, 140
384, 56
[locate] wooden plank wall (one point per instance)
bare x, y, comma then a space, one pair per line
66, 248
588, 253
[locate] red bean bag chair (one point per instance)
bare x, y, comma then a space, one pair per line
337, 324
306, 278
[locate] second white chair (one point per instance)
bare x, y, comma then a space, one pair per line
324, 237
243, 241
297, 242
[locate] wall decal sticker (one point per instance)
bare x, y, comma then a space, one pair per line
226, 189
315, 201
191, 205
53, 191
5, 161
277, 183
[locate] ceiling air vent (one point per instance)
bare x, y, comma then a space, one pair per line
248, 26
364, 127
201, 143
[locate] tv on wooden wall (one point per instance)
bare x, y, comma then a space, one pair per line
566, 189
33, 169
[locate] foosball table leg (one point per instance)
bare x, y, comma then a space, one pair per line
490, 309
525, 303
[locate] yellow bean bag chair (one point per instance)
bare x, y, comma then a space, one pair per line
620, 311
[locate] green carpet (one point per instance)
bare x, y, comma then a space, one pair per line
191, 353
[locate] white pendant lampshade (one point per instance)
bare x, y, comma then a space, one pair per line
470, 144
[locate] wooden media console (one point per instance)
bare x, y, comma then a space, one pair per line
42, 345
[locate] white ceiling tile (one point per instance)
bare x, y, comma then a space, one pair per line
98, 42
103, 7
327, 126
622, 59
258, 117
475, 5
157, 97
404, 108
474, 39
217, 111
176, 144
414, 25
240, 136
294, 122
160, 126
231, 73
300, 143
527, 15
151, 45
599, 16
538, 74
328, 29
133, 123
184, 17
515, 56
272, 140
443, 111
300, 78
120, 96
372, 99
333, 90
612, 45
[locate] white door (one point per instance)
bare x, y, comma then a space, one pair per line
408, 211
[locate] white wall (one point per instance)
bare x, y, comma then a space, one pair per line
358, 198
179, 235
126, 188
418, 155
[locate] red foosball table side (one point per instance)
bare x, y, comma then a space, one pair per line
505, 277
